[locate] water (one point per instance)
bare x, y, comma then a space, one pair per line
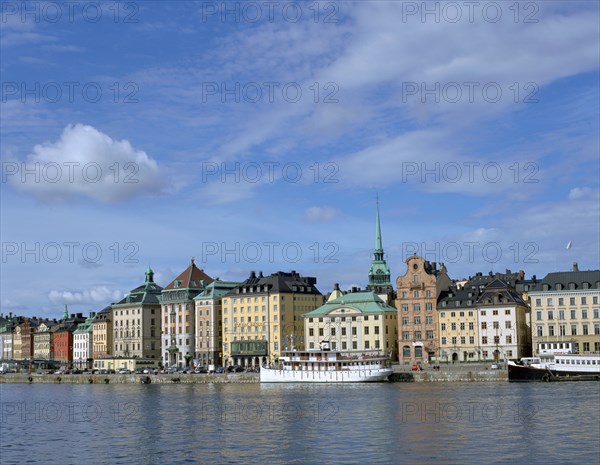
389, 423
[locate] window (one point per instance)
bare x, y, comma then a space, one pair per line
354, 330
417, 320
483, 325
417, 335
427, 293
453, 340
549, 301
471, 326
417, 307
416, 278
494, 312
405, 307
366, 330
429, 334
311, 332
563, 329
585, 329
404, 320
509, 339
344, 331
471, 339
462, 340
484, 340
507, 324
416, 294
428, 306
376, 329
367, 345
507, 311
443, 340
429, 320
406, 351
551, 330
453, 326
561, 301
405, 336
462, 326
538, 315
496, 340
538, 302
584, 301
443, 326
452, 314
540, 331
584, 314
550, 315
571, 300
354, 345
561, 314
573, 330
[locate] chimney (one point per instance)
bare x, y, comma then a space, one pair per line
252, 275
336, 287
260, 274
575, 266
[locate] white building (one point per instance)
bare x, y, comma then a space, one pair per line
503, 319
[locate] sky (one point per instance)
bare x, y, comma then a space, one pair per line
259, 135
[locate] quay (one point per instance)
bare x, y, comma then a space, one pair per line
446, 373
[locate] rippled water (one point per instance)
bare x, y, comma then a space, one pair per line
389, 423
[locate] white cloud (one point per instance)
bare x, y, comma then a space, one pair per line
578, 193
320, 214
86, 162
99, 294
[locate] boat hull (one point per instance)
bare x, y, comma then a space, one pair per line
270, 375
519, 373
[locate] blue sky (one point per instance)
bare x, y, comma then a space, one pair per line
256, 136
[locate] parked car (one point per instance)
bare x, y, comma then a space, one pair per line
124, 371
219, 370
495, 366
416, 367
201, 370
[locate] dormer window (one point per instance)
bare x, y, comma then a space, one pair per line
545, 287
559, 287
585, 285
572, 286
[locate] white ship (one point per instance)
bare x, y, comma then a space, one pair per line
325, 366
557, 361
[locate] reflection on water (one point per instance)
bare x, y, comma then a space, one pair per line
300, 424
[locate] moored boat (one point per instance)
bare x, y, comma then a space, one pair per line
555, 365
325, 366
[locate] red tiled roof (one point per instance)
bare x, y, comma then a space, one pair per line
191, 277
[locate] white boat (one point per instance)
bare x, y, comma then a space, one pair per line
556, 362
325, 366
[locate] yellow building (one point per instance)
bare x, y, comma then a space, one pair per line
102, 333
565, 307
357, 321
263, 316
457, 316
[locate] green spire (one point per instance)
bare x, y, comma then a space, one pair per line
149, 275
65, 313
378, 242
379, 274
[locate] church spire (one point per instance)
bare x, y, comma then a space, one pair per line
379, 274
378, 242
65, 313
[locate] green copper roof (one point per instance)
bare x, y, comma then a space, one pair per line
364, 302
379, 273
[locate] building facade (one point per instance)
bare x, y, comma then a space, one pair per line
102, 333
359, 321
565, 307
263, 316
504, 330
416, 301
43, 341
209, 322
63, 338
136, 321
82, 345
178, 310
458, 325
